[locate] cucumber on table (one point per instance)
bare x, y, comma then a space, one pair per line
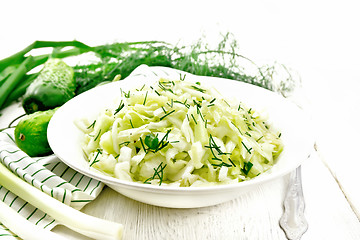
31, 133
54, 86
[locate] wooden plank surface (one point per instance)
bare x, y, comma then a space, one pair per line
254, 215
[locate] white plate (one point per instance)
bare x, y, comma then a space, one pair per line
64, 137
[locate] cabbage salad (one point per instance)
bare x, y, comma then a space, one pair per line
179, 133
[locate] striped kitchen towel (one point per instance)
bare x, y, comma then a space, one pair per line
49, 175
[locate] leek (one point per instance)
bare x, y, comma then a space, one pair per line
87, 225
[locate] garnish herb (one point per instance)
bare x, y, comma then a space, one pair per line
97, 136
92, 125
155, 91
96, 156
182, 77
259, 138
164, 88
141, 88
239, 107
198, 89
247, 149
221, 164
247, 167
121, 106
127, 95
158, 173
192, 115
153, 143
212, 145
167, 114
237, 128
162, 107
124, 143
131, 124
145, 98
171, 104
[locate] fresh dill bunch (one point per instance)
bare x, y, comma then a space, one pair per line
223, 60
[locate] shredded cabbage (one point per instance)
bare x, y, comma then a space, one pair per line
180, 133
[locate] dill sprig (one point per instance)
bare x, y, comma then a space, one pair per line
220, 60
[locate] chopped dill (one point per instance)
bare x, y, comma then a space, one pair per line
213, 146
222, 163
183, 103
239, 107
164, 88
247, 149
167, 114
92, 125
247, 167
124, 143
192, 115
182, 77
121, 106
171, 104
155, 91
140, 88
259, 138
145, 98
226, 102
232, 162
212, 101
97, 155
197, 104
97, 136
199, 89
158, 172
126, 95
162, 107
237, 128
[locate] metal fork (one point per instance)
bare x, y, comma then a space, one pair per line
293, 220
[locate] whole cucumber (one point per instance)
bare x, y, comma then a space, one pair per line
54, 86
31, 133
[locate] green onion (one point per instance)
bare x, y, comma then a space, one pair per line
87, 225
13, 80
167, 114
23, 228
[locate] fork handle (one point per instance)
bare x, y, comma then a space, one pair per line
293, 220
